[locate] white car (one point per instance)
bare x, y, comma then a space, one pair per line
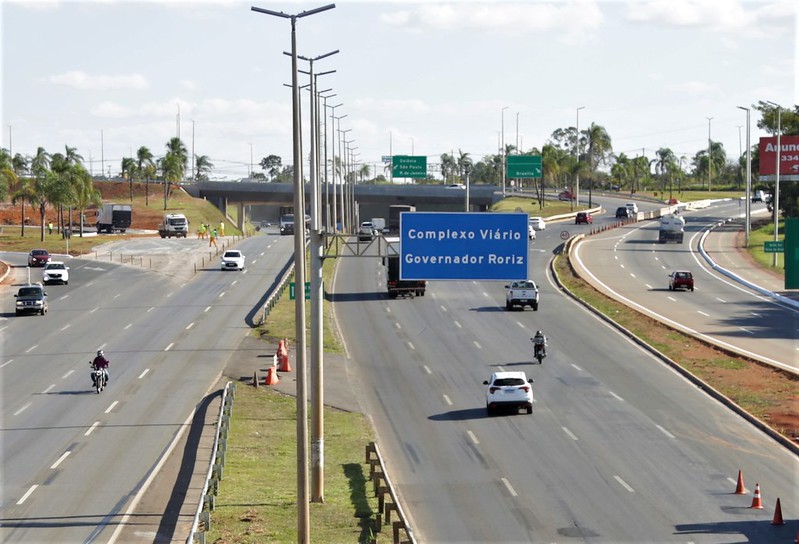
366, 231
538, 223
509, 390
55, 272
633, 207
530, 231
232, 260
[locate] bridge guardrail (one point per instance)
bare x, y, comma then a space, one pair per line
378, 473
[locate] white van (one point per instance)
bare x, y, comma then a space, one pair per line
633, 207
758, 196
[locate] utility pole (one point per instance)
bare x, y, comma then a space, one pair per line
709, 155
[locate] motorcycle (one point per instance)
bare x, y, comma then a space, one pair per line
98, 376
539, 352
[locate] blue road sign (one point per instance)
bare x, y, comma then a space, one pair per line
463, 246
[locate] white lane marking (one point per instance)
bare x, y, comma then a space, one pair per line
664, 431
485, 294
509, 487
472, 437
477, 344
397, 324
58, 462
746, 330
221, 294
65, 327
150, 309
624, 484
67, 374
63, 297
648, 286
169, 346
33, 347
90, 429
500, 368
703, 313
190, 325
410, 346
632, 275
3, 328
577, 367
48, 389
721, 300
568, 432
93, 310
427, 369
388, 310
443, 308
245, 271
621, 265
143, 374
27, 494
234, 283
458, 325
261, 254
755, 314
208, 308
672, 299
102, 346
7, 363
734, 482
117, 295
615, 395
113, 404
447, 399
519, 323
18, 412
126, 327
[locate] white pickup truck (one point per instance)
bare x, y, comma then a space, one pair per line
521, 293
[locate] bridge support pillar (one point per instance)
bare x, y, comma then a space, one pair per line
240, 216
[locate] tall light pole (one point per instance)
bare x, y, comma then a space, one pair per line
577, 150
10, 147
303, 509
327, 180
342, 164
709, 154
335, 142
775, 202
748, 208
504, 159
315, 249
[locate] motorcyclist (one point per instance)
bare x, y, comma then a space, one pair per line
540, 343
100, 362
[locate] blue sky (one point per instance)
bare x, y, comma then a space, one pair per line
421, 78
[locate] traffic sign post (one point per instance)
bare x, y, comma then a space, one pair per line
774, 246
293, 293
525, 166
409, 166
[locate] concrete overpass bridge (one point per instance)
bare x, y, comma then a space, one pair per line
262, 201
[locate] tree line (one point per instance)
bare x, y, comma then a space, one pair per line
61, 180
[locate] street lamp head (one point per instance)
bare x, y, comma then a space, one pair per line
742, 108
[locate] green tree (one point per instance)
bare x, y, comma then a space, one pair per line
86, 194
173, 165
129, 172
203, 166
464, 162
25, 193
448, 167
664, 164
272, 165
145, 167
8, 178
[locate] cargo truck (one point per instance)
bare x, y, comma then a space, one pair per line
174, 224
394, 212
113, 218
672, 226
394, 285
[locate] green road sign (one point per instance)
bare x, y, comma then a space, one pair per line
409, 166
524, 166
792, 253
293, 295
774, 246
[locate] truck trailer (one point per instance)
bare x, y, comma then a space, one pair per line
394, 212
394, 285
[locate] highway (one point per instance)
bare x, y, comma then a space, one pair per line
629, 264
73, 460
620, 448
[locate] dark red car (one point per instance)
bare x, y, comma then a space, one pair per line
38, 257
583, 217
681, 279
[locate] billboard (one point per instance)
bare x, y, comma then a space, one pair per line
789, 156
463, 246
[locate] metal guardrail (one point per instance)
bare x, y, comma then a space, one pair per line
378, 475
202, 517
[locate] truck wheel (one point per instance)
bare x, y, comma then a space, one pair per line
163, 236
529, 410
508, 306
535, 306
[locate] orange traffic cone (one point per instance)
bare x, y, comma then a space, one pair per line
271, 377
740, 489
756, 501
777, 514
283, 357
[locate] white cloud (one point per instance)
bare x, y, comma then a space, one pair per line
111, 110
719, 15
697, 88
188, 84
79, 79
509, 17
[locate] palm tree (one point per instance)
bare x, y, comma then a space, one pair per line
20, 164
447, 166
463, 162
8, 178
173, 165
24, 193
129, 171
203, 165
599, 148
664, 163
145, 167
86, 194
60, 192
71, 155
42, 180
621, 170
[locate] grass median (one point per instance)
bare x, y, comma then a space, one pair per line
257, 499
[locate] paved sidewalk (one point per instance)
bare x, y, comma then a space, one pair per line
724, 245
